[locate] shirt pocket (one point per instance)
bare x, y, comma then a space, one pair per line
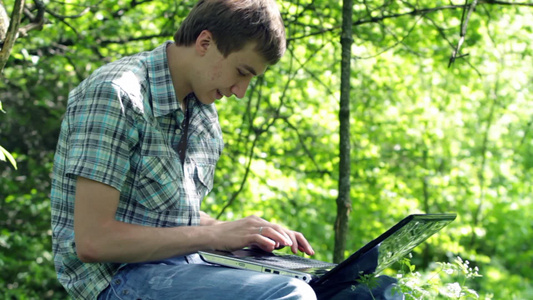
204, 174
157, 183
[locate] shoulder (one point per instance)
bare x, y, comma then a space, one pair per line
126, 78
129, 74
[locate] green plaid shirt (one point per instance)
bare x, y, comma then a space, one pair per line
122, 128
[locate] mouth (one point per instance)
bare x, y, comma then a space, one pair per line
218, 95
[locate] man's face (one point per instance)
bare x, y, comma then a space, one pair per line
218, 76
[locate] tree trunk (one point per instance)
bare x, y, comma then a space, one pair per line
4, 23
344, 205
12, 32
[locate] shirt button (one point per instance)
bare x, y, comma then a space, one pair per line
163, 176
117, 281
178, 131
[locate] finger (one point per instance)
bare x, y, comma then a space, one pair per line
295, 245
301, 244
273, 231
264, 243
277, 236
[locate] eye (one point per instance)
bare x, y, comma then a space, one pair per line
241, 73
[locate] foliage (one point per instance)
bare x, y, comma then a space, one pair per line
6, 155
424, 137
440, 281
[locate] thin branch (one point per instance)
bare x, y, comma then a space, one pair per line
244, 178
414, 12
464, 24
73, 4
525, 137
484, 152
473, 68
37, 23
79, 76
62, 17
259, 130
398, 41
132, 5
507, 3
439, 30
302, 142
312, 74
247, 171
133, 39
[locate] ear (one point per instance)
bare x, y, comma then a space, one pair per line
203, 42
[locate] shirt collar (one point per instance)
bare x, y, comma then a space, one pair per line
164, 99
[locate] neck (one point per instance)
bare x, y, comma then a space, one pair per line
178, 60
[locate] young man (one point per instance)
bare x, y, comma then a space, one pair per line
137, 153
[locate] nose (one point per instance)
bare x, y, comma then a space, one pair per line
239, 89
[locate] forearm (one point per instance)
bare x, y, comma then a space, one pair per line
100, 237
121, 242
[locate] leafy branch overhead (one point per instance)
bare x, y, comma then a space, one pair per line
34, 16
373, 14
27, 17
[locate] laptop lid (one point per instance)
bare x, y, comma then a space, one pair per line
390, 246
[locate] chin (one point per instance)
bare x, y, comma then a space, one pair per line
206, 100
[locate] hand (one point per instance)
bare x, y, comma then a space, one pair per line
255, 231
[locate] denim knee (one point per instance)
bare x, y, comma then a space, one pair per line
300, 290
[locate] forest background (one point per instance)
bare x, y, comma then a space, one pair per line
440, 120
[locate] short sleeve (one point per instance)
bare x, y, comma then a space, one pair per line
101, 134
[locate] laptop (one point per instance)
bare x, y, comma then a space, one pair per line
372, 258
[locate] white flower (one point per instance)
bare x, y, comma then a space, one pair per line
452, 290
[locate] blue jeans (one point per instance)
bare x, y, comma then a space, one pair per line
189, 277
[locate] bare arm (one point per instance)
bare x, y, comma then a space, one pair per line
101, 238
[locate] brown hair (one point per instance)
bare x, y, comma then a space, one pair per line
235, 23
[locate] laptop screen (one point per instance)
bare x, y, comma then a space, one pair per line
401, 242
391, 246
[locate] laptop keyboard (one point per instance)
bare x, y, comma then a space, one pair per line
289, 261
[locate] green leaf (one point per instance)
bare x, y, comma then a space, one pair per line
4, 154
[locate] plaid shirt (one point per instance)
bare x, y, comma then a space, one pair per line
122, 128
